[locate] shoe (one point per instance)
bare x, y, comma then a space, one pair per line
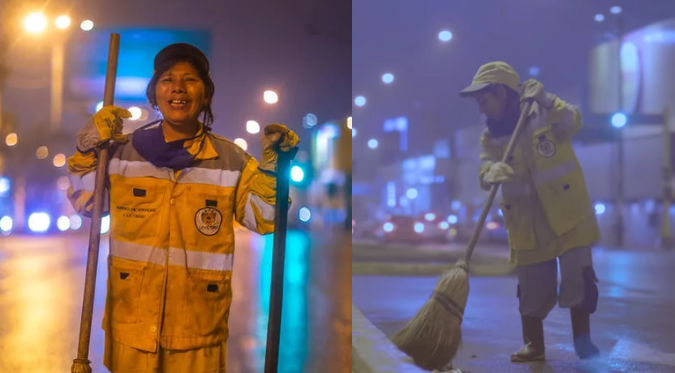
581, 331
533, 336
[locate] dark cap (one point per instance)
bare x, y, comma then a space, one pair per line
182, 52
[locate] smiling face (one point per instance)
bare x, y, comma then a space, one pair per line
180, 95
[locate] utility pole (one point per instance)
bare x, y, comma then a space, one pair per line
620, 183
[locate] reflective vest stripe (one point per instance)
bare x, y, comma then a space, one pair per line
510, 190
221, 178
86, 182
267, 211
178, 257
545, 177
132, 169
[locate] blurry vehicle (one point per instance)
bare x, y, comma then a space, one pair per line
409, 229
494, 230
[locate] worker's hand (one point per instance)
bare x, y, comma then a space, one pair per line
499, 172
532, 89
103, 126
276, 134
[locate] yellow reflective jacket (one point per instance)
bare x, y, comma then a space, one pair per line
172, 239
546, 206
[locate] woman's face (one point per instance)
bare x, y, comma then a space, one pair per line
180, 95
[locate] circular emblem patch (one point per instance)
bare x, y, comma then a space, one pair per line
208, 220
546, 148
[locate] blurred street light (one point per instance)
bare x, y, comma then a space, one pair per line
310, 120
349, 122
297, 174
445, 36
12, 139
62, 22
619, 120
59, 160
360, 101
35, 23
252, 127
388, 78
353, 132
270, 97
372, 143
615, 9
241, 142
42, 152
87, 25
136, 113
599, 17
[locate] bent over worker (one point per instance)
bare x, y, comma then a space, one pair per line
547, 210
175, 188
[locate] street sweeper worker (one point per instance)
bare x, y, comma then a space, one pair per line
175, 188
547, 209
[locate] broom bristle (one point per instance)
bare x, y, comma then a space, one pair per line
433, 336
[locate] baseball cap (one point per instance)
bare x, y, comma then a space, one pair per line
492, 73
182, 52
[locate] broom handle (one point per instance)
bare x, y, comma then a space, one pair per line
493, 189
81, 363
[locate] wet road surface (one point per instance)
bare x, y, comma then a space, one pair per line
633, 325
42, 281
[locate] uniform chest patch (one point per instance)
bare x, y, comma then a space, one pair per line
546, 148
208, 221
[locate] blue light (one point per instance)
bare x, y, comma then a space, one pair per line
599, 208
388, 78
534, 71
360, 101
297, 174
445, 36
615, 9
304, 214
599, 17
411, 193
372, 143
5, 185
419, 227
353, 132
388, 227
619, 120
39, 222
310, 120
452, 219
6, 224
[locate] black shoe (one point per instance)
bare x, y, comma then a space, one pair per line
581, 330
533, 336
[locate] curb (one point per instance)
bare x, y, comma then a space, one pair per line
373, 352
495, 269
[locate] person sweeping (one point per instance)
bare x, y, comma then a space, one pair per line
547, 210
174, 189
548, 215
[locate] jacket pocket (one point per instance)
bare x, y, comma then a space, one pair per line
136, 211
566, 202
519, 225
209, 297
126, 285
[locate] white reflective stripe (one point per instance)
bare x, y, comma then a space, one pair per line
201, 260
177, 256
223, 178
138, 169
249, 216
86, 182
267, 211
551, 174
510, 190
137, 252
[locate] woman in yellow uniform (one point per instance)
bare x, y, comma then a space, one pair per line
175, 189
547, 210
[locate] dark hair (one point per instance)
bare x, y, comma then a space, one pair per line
209, 87
511, 95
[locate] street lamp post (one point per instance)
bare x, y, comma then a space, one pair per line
620, 172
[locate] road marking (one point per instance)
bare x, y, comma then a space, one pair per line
633, 351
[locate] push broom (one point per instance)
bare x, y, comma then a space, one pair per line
433, 335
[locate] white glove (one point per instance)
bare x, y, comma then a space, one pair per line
499, 172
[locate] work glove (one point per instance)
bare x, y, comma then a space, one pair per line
103, 126
499, 172
276, 134
532, 89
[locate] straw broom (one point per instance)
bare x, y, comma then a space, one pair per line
433, 336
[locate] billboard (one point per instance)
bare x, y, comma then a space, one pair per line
87, 54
